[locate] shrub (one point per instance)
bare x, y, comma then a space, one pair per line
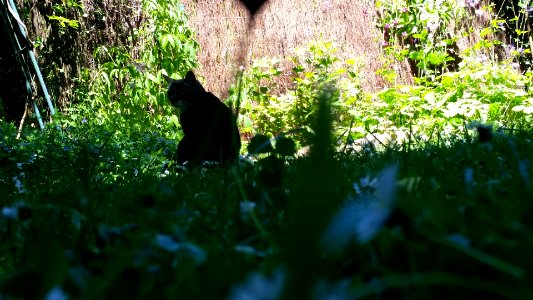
126, 93
266, 112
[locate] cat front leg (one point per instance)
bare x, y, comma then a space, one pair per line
184, 151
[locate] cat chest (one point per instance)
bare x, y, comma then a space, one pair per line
196, 120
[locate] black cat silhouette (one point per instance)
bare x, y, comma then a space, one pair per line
209, 127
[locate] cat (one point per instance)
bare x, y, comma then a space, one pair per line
209, 126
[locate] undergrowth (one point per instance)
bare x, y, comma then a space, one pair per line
85, 215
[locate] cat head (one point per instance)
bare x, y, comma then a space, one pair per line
181, 92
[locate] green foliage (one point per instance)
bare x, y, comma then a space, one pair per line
418, 31
127, 94
174, 49
265, 111
64, 22
90, 155
477, 92
60, 10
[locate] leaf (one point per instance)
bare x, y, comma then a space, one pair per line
361, 218
485, 31
430, 98
487, 259
410, 184
106, 79
174, 119
64, 22
285, 146
152, 78
260, 144
436, 58
188, 250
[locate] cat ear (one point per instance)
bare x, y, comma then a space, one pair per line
190, 76
168, 79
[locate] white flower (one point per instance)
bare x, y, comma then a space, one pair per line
166, 242
361, 218
259, 287
9, 212
247, 207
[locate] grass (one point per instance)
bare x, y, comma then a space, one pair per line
87, 215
